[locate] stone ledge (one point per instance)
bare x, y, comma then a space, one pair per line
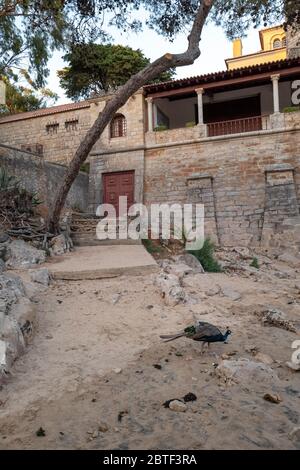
279, 167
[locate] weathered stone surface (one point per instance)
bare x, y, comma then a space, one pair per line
178, 406
178, 269
294, 435
191, 261
2, 266
243, 371
17, 316
4, 237
231, 294
59, 245
293, 366
264, 358
41, 276
170, 289
290, 259
22, 255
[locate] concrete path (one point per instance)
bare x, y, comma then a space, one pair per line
96, 262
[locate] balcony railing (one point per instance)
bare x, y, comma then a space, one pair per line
237, 126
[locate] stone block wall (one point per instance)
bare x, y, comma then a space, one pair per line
236, 166
43, 178
59, 134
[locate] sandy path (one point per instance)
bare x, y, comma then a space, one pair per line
66, 381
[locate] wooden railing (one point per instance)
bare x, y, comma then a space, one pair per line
237, 126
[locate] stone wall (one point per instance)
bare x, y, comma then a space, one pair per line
60, 133
229, 175
42, 177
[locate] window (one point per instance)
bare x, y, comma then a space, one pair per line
276, 44
71, 125
52, 128
118, 126
284, 42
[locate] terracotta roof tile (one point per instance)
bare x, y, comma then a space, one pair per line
223, 75
45, 112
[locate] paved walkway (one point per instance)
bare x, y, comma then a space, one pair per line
96, 262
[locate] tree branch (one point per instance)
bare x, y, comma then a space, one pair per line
150, 72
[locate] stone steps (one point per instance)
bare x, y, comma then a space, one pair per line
83, 232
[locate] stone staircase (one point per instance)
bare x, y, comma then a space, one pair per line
83, 232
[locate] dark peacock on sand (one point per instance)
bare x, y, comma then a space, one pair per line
201, 331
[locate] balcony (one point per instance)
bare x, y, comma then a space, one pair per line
237, 126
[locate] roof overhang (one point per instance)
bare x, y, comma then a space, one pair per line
230, 79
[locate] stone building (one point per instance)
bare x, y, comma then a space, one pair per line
224, 139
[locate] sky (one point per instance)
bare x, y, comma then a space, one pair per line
215, 48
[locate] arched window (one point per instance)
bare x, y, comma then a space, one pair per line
284, 42
118, 126
276, 44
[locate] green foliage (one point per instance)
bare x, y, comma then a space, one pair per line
190, 124
30, 30
291, 109
97, 68
151, 247
161, 128
206, 257
85, 167
255, 263
22, 99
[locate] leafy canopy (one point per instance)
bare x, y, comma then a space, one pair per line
20, 99
96, 68
31, 29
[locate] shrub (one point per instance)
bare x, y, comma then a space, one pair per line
85, 167
291, 109
255, 263
206, 257
190, 124
151, 247
160, 128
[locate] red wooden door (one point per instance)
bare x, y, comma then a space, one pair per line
116, 185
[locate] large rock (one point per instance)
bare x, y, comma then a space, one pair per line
41, 276
231, 294
246, 372
290, 259
191, 261
22, 255
170, 289
3, 237
17, 316
2, 266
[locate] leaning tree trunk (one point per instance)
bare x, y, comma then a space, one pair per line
150, 72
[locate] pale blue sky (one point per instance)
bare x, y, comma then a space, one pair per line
215, 49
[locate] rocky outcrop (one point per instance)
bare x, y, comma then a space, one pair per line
245, 372
20, 254
17, 318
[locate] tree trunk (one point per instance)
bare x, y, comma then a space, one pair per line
150, 72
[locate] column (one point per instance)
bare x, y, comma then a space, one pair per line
275, 81
200, 92
150, 114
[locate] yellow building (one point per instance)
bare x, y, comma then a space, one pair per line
273, 48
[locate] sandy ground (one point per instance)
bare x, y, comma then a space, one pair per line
66, 382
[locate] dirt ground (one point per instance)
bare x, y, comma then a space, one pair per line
96, 375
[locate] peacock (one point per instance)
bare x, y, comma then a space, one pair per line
201, 331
